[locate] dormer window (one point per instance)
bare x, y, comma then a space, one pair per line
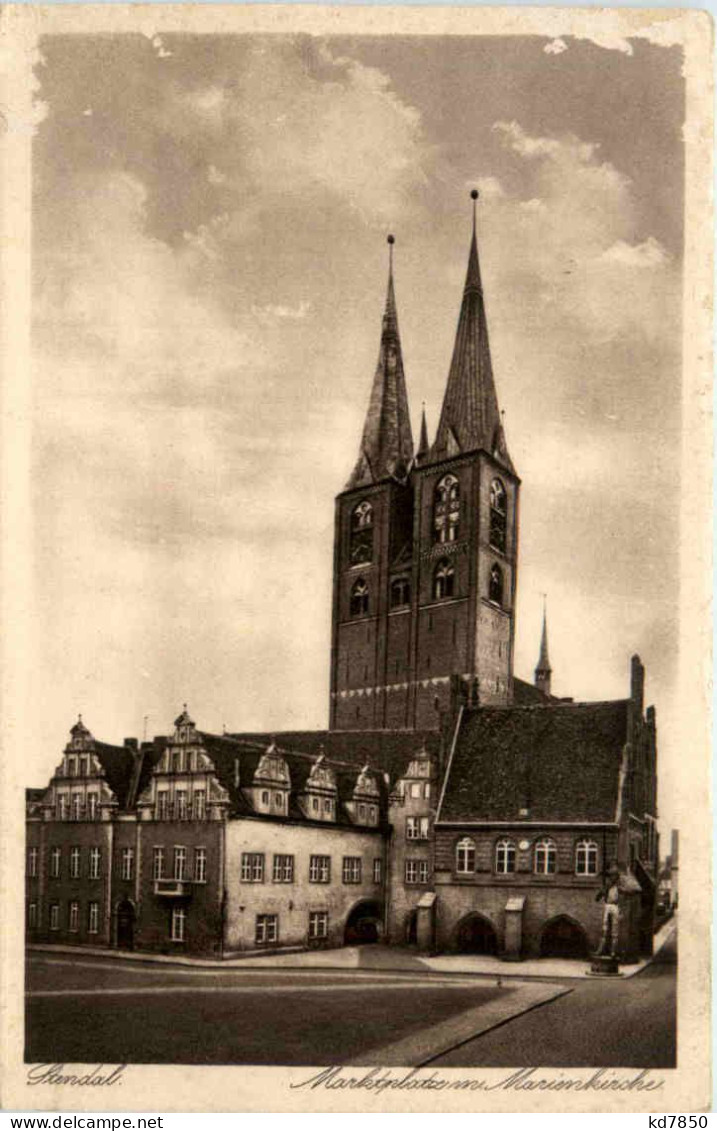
271, 782
498, 515
447, 510
361, 533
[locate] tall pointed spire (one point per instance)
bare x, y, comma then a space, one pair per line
387, 442
470, 418
422, 450
543, 671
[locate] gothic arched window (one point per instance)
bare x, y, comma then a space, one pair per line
443, 580
498, 514
447, 510
466, 855
400, 592
586, 858
545, 857
495, 585
362, 533
359, 598
505, 857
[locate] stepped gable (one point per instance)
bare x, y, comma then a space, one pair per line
562, 764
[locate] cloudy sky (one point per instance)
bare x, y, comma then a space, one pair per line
210, 219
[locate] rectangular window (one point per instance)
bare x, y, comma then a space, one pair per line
158, 863
180, 862
93, 917
127, 863
74, 915
200, 865
92, 806
351, 871
200, 807
318, 924
283, 870
416, 828
76, 806
415, 789
84, 767
55, 860
75, 863
179, 919
161, 805
377, 871
94, 863
320, 870
267, 929
181, 799
71, 767
416, 872
426, 791
32, 861
252, 867
32, 916
54, 916
62, 807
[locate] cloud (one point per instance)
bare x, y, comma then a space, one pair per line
159, 47
555, 47
489, 188
271, 312
347, 134
648, 254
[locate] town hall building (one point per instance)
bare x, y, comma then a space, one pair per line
450, 805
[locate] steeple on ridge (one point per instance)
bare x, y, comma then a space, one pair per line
387, 442
470, 418
543, 671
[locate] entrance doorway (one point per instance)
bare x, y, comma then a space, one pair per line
125, 925
563, 938
412, 928
476, 935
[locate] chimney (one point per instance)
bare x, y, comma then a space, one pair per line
637, 684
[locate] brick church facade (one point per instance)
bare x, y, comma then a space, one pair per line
450, 805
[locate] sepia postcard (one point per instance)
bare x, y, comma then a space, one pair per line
356, 560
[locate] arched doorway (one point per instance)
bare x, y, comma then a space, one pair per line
562, 937
476, 935
363, 924
125, 925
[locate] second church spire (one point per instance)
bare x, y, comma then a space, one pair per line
387, 441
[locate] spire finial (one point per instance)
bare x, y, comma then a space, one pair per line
390, 240
474, 197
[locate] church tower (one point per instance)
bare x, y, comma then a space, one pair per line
372, 537
465, 528
425, 547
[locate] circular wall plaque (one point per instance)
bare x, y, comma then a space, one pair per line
524, 845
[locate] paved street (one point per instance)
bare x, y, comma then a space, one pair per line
602, 1022
85, 1008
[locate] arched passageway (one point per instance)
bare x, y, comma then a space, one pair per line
125, 925
363, 924
476, 935
563, 938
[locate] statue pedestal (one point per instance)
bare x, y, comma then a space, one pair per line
604, 966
